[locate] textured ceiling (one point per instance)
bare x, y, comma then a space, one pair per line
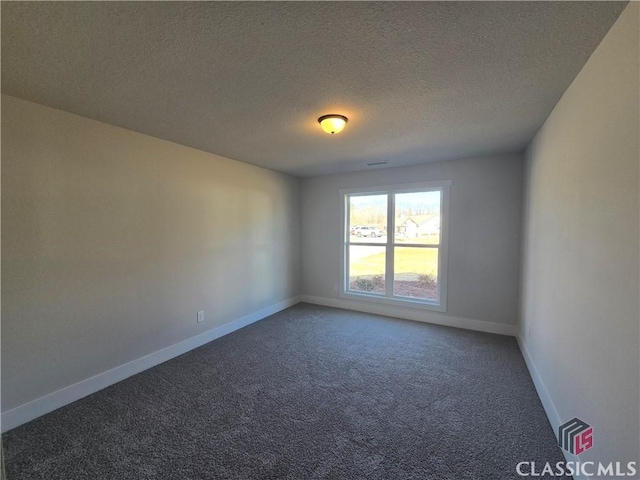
419, 81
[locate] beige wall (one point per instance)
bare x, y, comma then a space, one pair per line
484, 234
113, 240
580, 313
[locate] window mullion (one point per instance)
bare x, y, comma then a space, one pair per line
417, 245
389, 275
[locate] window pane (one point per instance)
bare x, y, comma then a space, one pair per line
417, 217
416, 272
368, 218
366, 268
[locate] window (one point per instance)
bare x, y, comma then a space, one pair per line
395, 244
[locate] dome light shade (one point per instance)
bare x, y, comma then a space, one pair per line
333, 123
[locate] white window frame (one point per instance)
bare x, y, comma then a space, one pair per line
440, 304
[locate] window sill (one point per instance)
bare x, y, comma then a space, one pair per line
398, 302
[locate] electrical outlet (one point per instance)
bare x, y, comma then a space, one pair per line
336, 287
201, 316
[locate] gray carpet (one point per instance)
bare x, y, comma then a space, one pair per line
309, 393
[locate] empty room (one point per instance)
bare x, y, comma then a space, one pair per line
320, 240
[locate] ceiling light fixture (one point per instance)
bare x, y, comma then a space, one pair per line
333, 123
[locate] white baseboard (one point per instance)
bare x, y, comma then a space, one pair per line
413, 314
547, 402
543, 393
40, 406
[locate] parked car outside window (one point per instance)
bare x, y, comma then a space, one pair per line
368, 232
